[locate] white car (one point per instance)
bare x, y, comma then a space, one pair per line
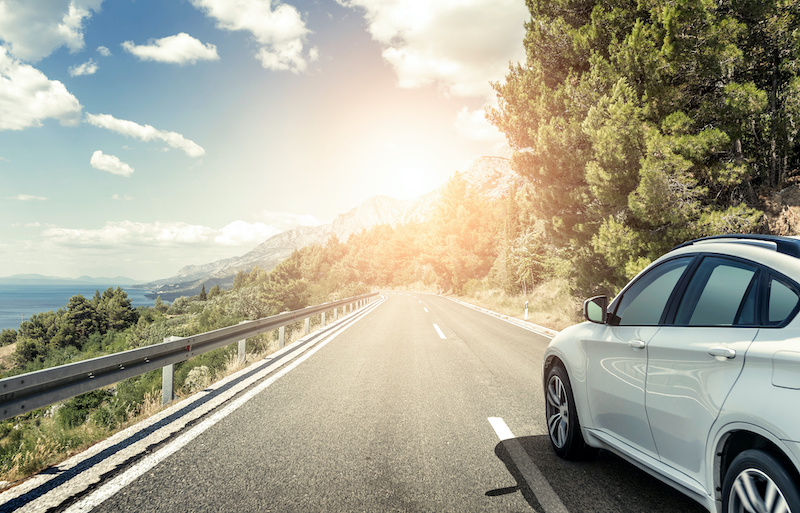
692, 373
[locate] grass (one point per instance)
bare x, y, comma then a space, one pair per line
30, 445
549, 304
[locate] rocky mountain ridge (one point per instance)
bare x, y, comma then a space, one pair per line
491, 175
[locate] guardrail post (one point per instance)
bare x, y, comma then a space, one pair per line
168, 379
307, 325
336, 313
281, 336
322, 320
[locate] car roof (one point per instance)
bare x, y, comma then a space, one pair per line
781, 244
777, 252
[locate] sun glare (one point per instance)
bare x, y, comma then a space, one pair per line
409, 180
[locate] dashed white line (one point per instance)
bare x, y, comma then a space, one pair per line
501, 428
439, 331
547, 497
426, 310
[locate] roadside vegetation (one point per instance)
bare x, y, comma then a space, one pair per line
634, 126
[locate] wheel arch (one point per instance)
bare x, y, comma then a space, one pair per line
739, 438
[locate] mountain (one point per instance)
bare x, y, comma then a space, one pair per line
40, 279
492, 176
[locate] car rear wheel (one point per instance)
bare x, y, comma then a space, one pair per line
562, 418
758, 482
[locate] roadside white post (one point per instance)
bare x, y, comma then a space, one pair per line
281, 336
322, 320
307, 325
526, 310
167, 378
242, 349
335, 313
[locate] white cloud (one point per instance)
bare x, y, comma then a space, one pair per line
145, 133
131, 233
110, 163
27, 96
33, 30
177, 49
472, 124
169, 234
280, 32
242, 233
102, 50
87, 68
124, 197
27, 197
459, 45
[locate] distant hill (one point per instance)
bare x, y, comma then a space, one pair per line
490, 175
40, 279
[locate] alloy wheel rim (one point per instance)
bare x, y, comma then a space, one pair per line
557, 411
755, 492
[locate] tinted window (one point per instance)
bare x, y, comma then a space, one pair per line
716, 295
781, 303
644, 301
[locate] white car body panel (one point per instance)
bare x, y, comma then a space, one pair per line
659, 398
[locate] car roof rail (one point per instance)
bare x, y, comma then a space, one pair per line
786, 245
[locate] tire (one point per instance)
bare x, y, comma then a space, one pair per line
561, 415
757, 481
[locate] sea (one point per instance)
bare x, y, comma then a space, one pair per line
19, 302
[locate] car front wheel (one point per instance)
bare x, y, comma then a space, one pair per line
758, 482
562, 418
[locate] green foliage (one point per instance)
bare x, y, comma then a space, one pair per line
642, 124
75, 411
7, 336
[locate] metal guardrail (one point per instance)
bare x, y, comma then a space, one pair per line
26, 392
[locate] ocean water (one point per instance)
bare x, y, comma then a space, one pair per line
19, 302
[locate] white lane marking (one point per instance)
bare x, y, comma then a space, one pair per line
439, 331
547, 497
426, 310
501, 428
148, 462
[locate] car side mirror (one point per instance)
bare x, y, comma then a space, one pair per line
595, 309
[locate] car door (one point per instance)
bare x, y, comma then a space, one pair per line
617, 356
694, 361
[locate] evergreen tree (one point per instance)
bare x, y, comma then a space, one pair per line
625, 107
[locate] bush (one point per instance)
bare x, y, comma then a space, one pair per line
77, 409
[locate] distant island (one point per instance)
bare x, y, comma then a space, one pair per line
40, 279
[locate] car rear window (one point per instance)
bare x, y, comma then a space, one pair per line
781, 303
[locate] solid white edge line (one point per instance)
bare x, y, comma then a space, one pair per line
439, 331
116, 484
547, 497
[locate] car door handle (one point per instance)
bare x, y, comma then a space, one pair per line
637, 344
724, 352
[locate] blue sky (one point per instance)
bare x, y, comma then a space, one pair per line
140, 136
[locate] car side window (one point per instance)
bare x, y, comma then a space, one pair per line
720, 293
781, 302
642, 304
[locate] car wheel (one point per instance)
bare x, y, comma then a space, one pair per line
562, 418
758, 482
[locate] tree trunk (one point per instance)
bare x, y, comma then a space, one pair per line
773, 133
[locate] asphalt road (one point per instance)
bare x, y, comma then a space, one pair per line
390, 416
